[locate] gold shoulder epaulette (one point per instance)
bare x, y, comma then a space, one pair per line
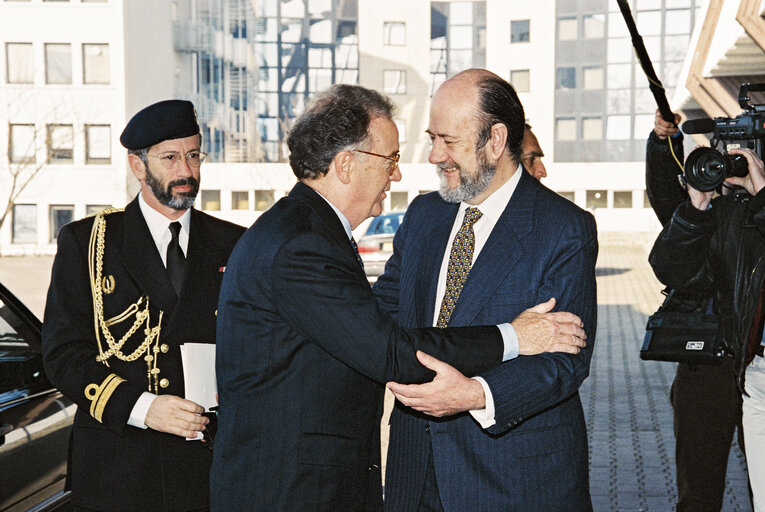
105, 211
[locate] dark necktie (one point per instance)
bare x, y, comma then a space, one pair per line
356, 252
175, 258
460, 261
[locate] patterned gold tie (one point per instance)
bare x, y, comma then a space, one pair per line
460, 261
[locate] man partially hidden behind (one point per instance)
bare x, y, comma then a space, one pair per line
532, 154
303, 348
128, 288
512, 438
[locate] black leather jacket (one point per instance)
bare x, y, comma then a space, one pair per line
661, 176
720, 251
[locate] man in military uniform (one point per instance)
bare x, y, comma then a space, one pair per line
129, 287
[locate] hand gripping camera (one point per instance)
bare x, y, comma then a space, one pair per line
706, 168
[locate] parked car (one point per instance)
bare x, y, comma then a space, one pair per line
35, 418
376, 245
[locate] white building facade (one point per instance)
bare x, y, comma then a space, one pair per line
74, 71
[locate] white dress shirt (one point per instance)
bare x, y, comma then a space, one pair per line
159, 227
491, 208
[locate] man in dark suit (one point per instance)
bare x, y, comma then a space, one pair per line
303, 349
128, 289
514, 437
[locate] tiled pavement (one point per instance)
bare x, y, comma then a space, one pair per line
626, 400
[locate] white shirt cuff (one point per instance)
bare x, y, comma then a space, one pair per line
140, 409
510, 338
485, 416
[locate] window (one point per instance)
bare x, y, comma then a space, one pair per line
649, 23
58, 63
399, 200
565, 128
19, 60
616, 25
21, 143
643, 125
622, 199
618, 128
565, 78
620, 50
264, 199
520, 78
592, 78
58, 215
24, 227
597, 199
567, 29
619, 76
90, 209
592, 128
394, 81
98, 146
619, 101
60, 142
519, 31
594, 26
95, 64
461, 37
211, 200
649, 4
385, 224
394, 33
646, 202
240, 200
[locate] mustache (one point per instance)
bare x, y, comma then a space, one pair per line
183, 181
448, 166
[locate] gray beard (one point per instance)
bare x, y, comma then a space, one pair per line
165, 196
470, 186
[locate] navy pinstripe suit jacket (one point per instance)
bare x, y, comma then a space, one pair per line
535, 457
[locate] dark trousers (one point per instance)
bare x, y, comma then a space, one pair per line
707, 410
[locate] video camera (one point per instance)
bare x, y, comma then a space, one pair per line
706, 168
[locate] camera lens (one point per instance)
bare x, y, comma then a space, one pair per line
706, 168
739, 166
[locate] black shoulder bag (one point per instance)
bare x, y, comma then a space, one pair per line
683, 330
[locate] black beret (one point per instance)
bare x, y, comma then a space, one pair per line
166, 120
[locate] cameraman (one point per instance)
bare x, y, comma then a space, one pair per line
717, 247
705, 399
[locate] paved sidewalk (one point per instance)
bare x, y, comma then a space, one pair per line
626, 400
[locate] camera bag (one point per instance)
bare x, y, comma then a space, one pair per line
684, 330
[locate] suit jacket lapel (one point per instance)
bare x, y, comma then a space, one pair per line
433, 244
501, 253
142, 260
329, 218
